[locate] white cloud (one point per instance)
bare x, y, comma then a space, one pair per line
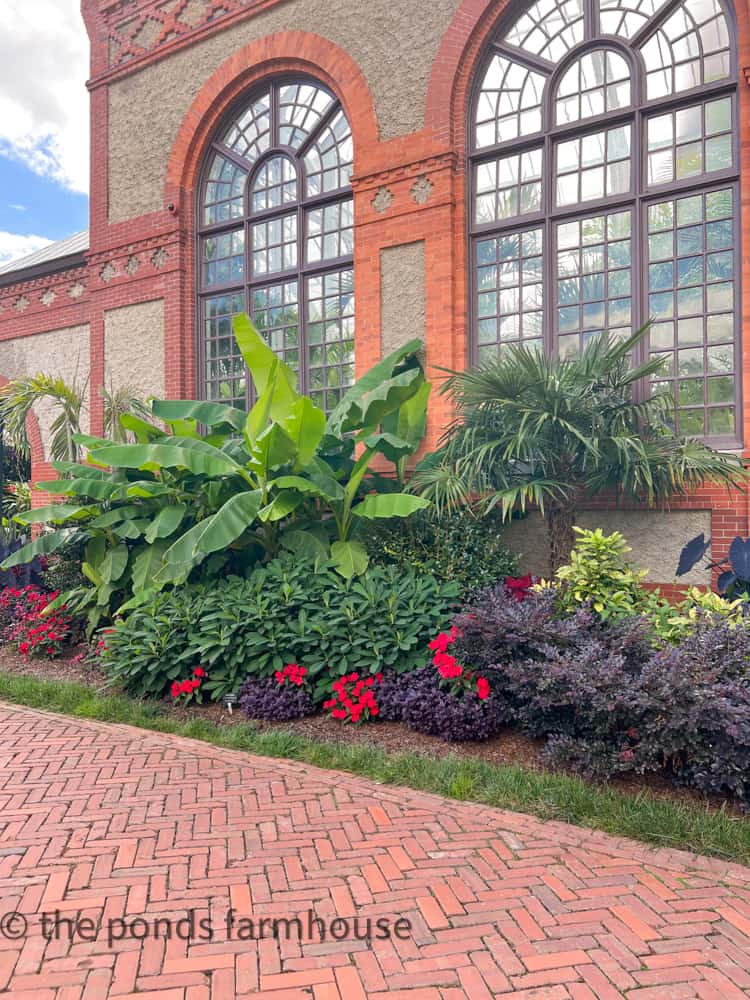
44, 105
19, 208
13, 246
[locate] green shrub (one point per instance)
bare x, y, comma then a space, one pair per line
599, 575
285, 612
221, 490
457, 547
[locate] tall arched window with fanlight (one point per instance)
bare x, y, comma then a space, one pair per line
605, 191
276, 240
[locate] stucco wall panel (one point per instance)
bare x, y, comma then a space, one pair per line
655, 537
61, 353
134, 348
393, 44
402, 295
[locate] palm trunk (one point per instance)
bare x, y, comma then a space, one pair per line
560, 535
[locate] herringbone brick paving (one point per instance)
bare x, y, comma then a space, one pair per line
118, 826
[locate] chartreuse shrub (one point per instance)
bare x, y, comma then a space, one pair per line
289, 611
221, 490
600, 578
599, 575
460, 547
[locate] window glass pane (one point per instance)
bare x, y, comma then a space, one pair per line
510, 298
330, 232
549, 28
597, 83
673, 54
249, 135
695, 289
275, 185
593, 166
224, 259
224, 366
508, 187
593, 279
275, 245
299, 242
224, 193
689, 142
330, 317
627, 17
329, 161
301, 107
275, 310
510, 103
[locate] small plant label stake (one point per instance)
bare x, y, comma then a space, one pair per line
229, 701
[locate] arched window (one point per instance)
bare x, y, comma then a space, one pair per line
605, 191
276, 240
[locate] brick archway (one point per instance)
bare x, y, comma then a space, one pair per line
39, 465
287, 51
284, 52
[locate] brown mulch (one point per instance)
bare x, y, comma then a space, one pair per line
509, 748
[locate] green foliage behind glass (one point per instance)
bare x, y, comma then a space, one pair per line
457, 547
286, 612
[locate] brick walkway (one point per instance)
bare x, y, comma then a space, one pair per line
113, 828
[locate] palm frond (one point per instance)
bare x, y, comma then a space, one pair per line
125, 400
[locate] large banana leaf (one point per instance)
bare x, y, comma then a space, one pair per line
114, 564
203, 462
146, 565
210, 414
56, 514
349, 558
95, 489
409, 422
305, 425
228, 524
166, 522
389, 505
45, 545
262, 363
348, 414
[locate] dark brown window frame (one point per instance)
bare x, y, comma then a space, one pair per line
301, 208
637, 200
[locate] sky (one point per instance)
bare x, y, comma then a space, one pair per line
44, 125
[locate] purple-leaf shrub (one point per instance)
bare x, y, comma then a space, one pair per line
428, 707
274, 702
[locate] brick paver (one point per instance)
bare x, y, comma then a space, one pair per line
114, 829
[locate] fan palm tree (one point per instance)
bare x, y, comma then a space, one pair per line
531, 430
67, 399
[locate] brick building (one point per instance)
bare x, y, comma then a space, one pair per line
356, 173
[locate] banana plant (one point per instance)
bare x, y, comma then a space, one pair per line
220, 490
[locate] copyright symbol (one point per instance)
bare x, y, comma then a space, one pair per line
13, 926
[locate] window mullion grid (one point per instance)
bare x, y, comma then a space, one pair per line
302, 346
549, 249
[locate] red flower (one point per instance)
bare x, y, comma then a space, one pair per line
199, 672
186, 687
519, 586
483, 688
176, 692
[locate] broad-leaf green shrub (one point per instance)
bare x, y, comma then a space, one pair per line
221, 490
286, 612
458, 547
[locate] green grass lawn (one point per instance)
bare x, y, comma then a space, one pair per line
646, 817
